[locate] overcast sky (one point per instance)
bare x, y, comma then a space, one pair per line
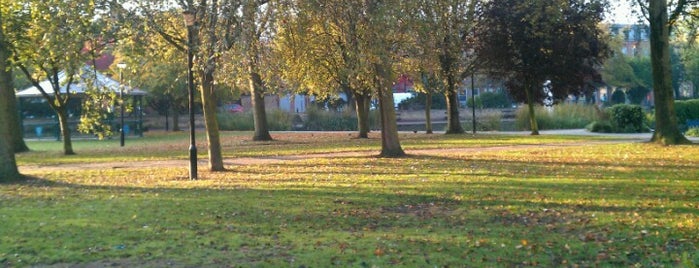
621, 12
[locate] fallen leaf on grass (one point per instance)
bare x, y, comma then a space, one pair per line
378, 252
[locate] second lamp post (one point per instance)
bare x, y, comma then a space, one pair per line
189, 20
121, 67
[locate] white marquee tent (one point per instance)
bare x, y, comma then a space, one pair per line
79, 85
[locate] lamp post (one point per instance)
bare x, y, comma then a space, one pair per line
473, 101
189, 20
121, 67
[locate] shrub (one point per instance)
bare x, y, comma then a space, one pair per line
236, 121
626, 118
417, 102
692, 132
277, 120
650, 120
321, 120
687, 110
495, 100
618, 97
488, 120
600, 127
491, 100
562, 116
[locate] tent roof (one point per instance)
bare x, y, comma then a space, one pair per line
79, 86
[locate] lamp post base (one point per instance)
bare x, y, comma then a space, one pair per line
192, 162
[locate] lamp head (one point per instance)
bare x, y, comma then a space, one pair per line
189, 17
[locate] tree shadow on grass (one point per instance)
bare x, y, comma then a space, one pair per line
331, 225
393, 213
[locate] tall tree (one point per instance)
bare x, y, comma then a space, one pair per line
667, 130
531, 42
382, 47
355, 46
443, 28
166, 80
319, 47
8, 100
632, 74
51, 47
258, 17
8, 165
217, 28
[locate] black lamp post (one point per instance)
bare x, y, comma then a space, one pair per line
473, 101
189, 20
121, 67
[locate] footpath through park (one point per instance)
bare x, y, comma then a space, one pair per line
174, 163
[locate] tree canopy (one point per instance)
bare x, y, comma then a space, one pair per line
53, 40
530, 42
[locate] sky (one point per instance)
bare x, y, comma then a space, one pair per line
621, 12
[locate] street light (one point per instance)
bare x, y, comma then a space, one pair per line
473, 101
189, 21
121, 67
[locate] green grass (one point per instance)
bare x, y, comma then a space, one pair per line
543, 201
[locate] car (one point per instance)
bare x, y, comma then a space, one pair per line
233, 108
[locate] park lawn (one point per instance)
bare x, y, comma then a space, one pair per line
484, 200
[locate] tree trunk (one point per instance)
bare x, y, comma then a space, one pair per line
666, 126
453, 121
428, 112
65, 131
17, 140
8, 165
362, 109
390, 143
428, 102
208, 99
176, 121
259, 113
530, 104
167, 120
8, 100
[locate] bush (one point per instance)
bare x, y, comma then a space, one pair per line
600, 127
491, 100
277, 120
692, 132
687, 110
439, 102
627, 118
562, 116
321, 120
487, 120
235, 121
